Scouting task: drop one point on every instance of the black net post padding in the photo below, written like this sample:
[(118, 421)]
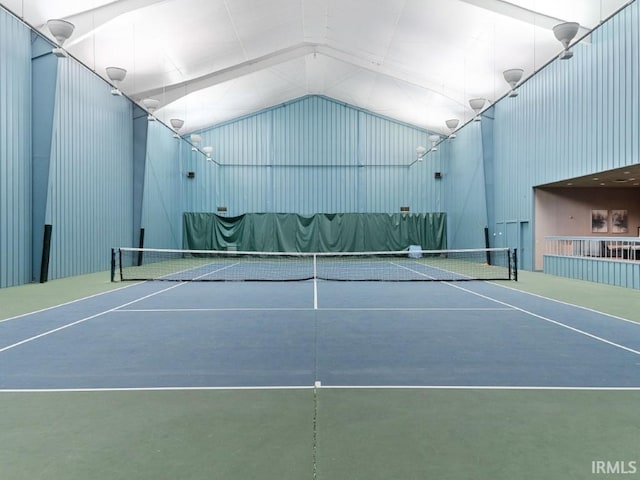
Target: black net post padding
[(46, 252), (120, 260), (140, 246), (486, 244), (113, 265), (515, 264)]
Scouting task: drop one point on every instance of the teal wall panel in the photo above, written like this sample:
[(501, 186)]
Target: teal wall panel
[(15, 151), (140, 130), (44, 74), (573, 118), (162, 201), (89, 199), (465, 201), (314, 155), (315, 132), (619, 273)]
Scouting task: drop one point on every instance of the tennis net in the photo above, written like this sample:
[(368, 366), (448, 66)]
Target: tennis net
[(142, 264)]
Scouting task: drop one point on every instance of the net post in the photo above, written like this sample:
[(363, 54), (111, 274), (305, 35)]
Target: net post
[(515, 264), (113, 265), (46, 253), (120, 260), (486, 244), (140, 246)]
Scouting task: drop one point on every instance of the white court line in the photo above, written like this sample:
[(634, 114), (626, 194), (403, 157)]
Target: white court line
[(315, 293), (414, 271), (541, 317), (417, 309), (567, 303), (473, 387), (238, 309), (546, 319), (318, 386), (70, 302), (151, 389), (82, 320), (307, 309)]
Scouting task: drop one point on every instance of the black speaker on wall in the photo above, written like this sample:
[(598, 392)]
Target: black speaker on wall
[(437, 175)]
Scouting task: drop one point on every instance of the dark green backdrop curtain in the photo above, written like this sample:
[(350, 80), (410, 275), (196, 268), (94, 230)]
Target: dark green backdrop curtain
[(322, 232)]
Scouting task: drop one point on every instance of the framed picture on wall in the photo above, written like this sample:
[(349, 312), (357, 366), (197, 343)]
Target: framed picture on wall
[(619, 221), (599, 221)]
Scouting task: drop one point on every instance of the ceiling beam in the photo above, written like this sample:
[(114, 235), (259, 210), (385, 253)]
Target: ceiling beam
[(87, 22), (170, 93), (532, 17)]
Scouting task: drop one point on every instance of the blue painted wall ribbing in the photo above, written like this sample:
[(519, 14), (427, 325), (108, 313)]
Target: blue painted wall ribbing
[(44, 76), (465, 198), (15, 151), (618, 273), (314, 155), (574, 118), (140, 137), (162, 205), (89, 199)]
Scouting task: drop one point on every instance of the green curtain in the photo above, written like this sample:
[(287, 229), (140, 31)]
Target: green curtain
[(322, 232)]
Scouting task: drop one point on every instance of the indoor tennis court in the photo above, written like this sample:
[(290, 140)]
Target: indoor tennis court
[(319, 239), (360, 379)]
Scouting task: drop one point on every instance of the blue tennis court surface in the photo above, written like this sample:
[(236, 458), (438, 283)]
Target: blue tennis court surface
[(301, 334)]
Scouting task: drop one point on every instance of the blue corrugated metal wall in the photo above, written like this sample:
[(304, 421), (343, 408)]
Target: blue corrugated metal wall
[(310, 155), (162, 203), (314, 155), (15, 152), (89, 199), (574, 118), (620, 274), (465, 193)]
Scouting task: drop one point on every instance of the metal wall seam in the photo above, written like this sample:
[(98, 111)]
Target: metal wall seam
[(569, 120), (162, 202), (15, 152), (90, 185), (318, 155)]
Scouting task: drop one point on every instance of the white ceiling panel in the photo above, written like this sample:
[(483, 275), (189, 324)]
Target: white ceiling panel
[(314, 20), (38, 12), (418, 61)]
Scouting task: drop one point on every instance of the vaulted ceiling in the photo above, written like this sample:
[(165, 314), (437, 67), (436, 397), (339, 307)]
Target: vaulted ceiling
[(417, 61)]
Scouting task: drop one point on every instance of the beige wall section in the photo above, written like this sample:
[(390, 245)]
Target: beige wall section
[(567, 211)]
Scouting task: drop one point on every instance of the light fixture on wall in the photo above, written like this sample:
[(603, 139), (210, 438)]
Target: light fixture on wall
[(176, 124), (452, 124), (564, 33), (476, 105), (434, 139), (116, 75), (512, 77), (208, 150), (420, 153), (195, 141), (61, 30), (151, 104)]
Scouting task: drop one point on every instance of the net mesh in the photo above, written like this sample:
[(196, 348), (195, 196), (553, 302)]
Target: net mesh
[(422, 265)]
